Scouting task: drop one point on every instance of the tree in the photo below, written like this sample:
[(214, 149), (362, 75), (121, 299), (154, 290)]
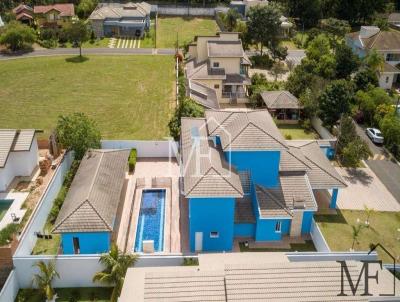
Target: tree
[(231, 19), (277, 70), (335, 101), (279, 53), (381, 111), (369, 212), (309, 11), (382, 23), (375, 61), (17, 36), (78, 132), (335, 27), (86, 7), (186, 108), (264, 26), (320, 57), (390, 127), (44, 279), (356, 230), (369, 100), (365, 79), (77, 33), (116, 264), (346, 61)]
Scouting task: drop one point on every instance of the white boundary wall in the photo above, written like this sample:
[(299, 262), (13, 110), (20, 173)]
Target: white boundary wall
[(319, 241), (167, 148), (10, 289), (331, 256), (39, 216), (322, 131), (185, 11)]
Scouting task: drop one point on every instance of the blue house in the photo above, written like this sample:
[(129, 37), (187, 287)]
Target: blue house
[(87, 217), (242, 179)]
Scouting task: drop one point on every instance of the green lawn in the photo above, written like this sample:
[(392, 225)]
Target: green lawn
[(384, 229), (130, 97), (296, 132), (83, 294), (98, 43), (47, 246), (308, 246), (187, 29)]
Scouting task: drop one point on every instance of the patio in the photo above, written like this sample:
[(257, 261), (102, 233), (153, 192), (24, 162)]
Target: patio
[(16, 209)]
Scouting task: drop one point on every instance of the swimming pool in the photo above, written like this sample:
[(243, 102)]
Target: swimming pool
[(5, 204), (151, 220)]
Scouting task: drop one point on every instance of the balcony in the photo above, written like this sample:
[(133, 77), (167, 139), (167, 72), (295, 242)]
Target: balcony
[(234, 95)]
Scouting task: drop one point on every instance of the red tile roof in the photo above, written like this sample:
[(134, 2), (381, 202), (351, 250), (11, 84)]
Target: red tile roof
[(66, 10)]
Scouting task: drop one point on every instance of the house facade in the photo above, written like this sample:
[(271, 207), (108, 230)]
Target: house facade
[(243, 180), (19, 155), (24, 14), (282, 105), (121, 20), (217, 71), (88, 216), (386, 43), (53, 15)]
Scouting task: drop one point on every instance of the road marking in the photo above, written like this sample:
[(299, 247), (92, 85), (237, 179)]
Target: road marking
[(134, 43), (119, 42), (138, 45)]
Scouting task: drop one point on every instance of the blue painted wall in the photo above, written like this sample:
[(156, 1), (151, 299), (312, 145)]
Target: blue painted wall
[(208, 215), (265, 230), (335, 193), (263, 165), (90, 243), (244, 229), (306, 224)]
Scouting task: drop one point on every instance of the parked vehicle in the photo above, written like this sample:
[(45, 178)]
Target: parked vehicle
[(375, 135)]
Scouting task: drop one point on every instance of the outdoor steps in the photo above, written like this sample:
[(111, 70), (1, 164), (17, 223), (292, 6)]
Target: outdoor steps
[(245, 180)]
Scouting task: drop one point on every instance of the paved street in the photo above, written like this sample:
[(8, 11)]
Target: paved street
[(383, 166)]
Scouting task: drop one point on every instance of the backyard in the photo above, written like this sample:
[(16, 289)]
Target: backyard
[(82, 294), (130, 97), (296, 131), (383, 229), (187, 29)]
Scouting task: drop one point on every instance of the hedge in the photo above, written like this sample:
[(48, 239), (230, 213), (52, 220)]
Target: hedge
[(132, 160)]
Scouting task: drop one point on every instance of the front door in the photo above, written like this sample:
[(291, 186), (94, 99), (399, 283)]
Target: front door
[(198, 245)]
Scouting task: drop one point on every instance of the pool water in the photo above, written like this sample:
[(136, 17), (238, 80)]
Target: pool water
[(5, 204), (151, 220)]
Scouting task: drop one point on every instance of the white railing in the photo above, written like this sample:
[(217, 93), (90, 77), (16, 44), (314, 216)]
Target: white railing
[(234, 95)]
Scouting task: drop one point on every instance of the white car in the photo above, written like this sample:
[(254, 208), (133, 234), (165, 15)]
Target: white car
[(375, 135)]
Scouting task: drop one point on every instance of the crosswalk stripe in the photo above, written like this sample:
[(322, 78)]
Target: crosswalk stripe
[(134, 43), (138, 44), (119, 42), (131, 43)]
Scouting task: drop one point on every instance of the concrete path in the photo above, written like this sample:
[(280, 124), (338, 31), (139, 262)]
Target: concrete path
[(91, 51), (365, 188)]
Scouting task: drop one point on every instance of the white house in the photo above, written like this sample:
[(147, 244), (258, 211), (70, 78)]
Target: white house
[(19, 154), (386, 43)]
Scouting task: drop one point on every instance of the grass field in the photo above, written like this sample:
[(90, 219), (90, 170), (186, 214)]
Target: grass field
[(186, 28), (296, 132), (384, 229), (130, 97)]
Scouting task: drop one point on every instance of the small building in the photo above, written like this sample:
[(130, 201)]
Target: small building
[(386, 43), (282, 105), (24, 14), (217, 70), (121, 20), (88, 216), (53, 15), (394, 20), (19, 155)]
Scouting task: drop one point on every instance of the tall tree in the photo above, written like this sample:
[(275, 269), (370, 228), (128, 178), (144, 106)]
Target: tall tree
[(365, 79), (390, 127), (309, 11), (346, 61), (231, 19), (44, 278), (77, 33), (335, 101), (116, 265)]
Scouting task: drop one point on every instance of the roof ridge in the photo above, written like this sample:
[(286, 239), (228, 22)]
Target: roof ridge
[(265, 190), (224, 178), (95, 175), (376, 38), (268, 134), (298, 158), (98, 214)]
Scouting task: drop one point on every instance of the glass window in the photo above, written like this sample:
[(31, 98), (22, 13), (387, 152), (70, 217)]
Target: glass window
[(393, 57), (278, 227), (216, 86), (216, 64), (214, 234)]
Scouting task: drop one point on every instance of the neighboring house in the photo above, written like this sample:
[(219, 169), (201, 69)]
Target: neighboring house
[(23, 13), (53, 15), (242, 179), (244, 6), (118, 19), (394, 20), (87, 217), (386, 43), (282, 105), (217, 70), (19, 155)]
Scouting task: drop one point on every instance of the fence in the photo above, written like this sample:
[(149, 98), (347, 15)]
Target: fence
[(322, 131), (318, 239), (331, 256), (167, 148), (172, 10)]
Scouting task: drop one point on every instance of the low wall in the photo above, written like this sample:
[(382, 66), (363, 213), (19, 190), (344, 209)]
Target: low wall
[(331, 256), (10, 289), (166, 148), (319, 241), (172, 10), (322, 131), (39, 216)]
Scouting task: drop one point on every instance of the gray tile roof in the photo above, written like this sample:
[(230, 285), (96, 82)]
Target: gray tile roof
[(383, 40), (320, 172), (245, 130), (244, 210), (236, 79), (390, 68), (12, 140), (202, 71), (394, 17), (120, 10), (203, 95), (225, 49), (92, 200), (206, 173), (280, 100)]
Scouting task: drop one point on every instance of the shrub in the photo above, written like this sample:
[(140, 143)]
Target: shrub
[(132, 160), (263, 61), (288, 136), (7, 233), (190, 261)]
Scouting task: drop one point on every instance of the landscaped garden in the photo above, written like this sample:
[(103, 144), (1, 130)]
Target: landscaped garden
[(296, 131), (130, 97), (187, 29), (307, 246), (340, 231), (82, 294)]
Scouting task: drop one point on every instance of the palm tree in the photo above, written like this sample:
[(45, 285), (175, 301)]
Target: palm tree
[(375, 61), (116, 264), (44, 278), (356, 232), (369, 212)]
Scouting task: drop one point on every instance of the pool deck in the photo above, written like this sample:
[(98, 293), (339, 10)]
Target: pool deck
[(150, 173), (15, 208)]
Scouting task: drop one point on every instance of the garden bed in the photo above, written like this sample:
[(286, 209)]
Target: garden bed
[(81, 294), (296, 131)]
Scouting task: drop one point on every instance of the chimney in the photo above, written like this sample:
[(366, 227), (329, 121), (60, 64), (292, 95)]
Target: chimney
[(368, 31)]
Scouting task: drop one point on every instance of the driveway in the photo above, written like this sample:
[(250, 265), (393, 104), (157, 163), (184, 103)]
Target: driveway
[(364, 188), (383, 165)]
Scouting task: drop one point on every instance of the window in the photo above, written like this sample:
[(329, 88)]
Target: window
[(214, 234), (278, 227), (75, 240), (387, 80), (216, 86), (393, 57), (216, 64)]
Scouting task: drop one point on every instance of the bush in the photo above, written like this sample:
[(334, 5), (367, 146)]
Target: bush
[(263, 61), (7, 233), (132, 160), (306, 124), (190, 261), (288, 136), (17, 36)]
